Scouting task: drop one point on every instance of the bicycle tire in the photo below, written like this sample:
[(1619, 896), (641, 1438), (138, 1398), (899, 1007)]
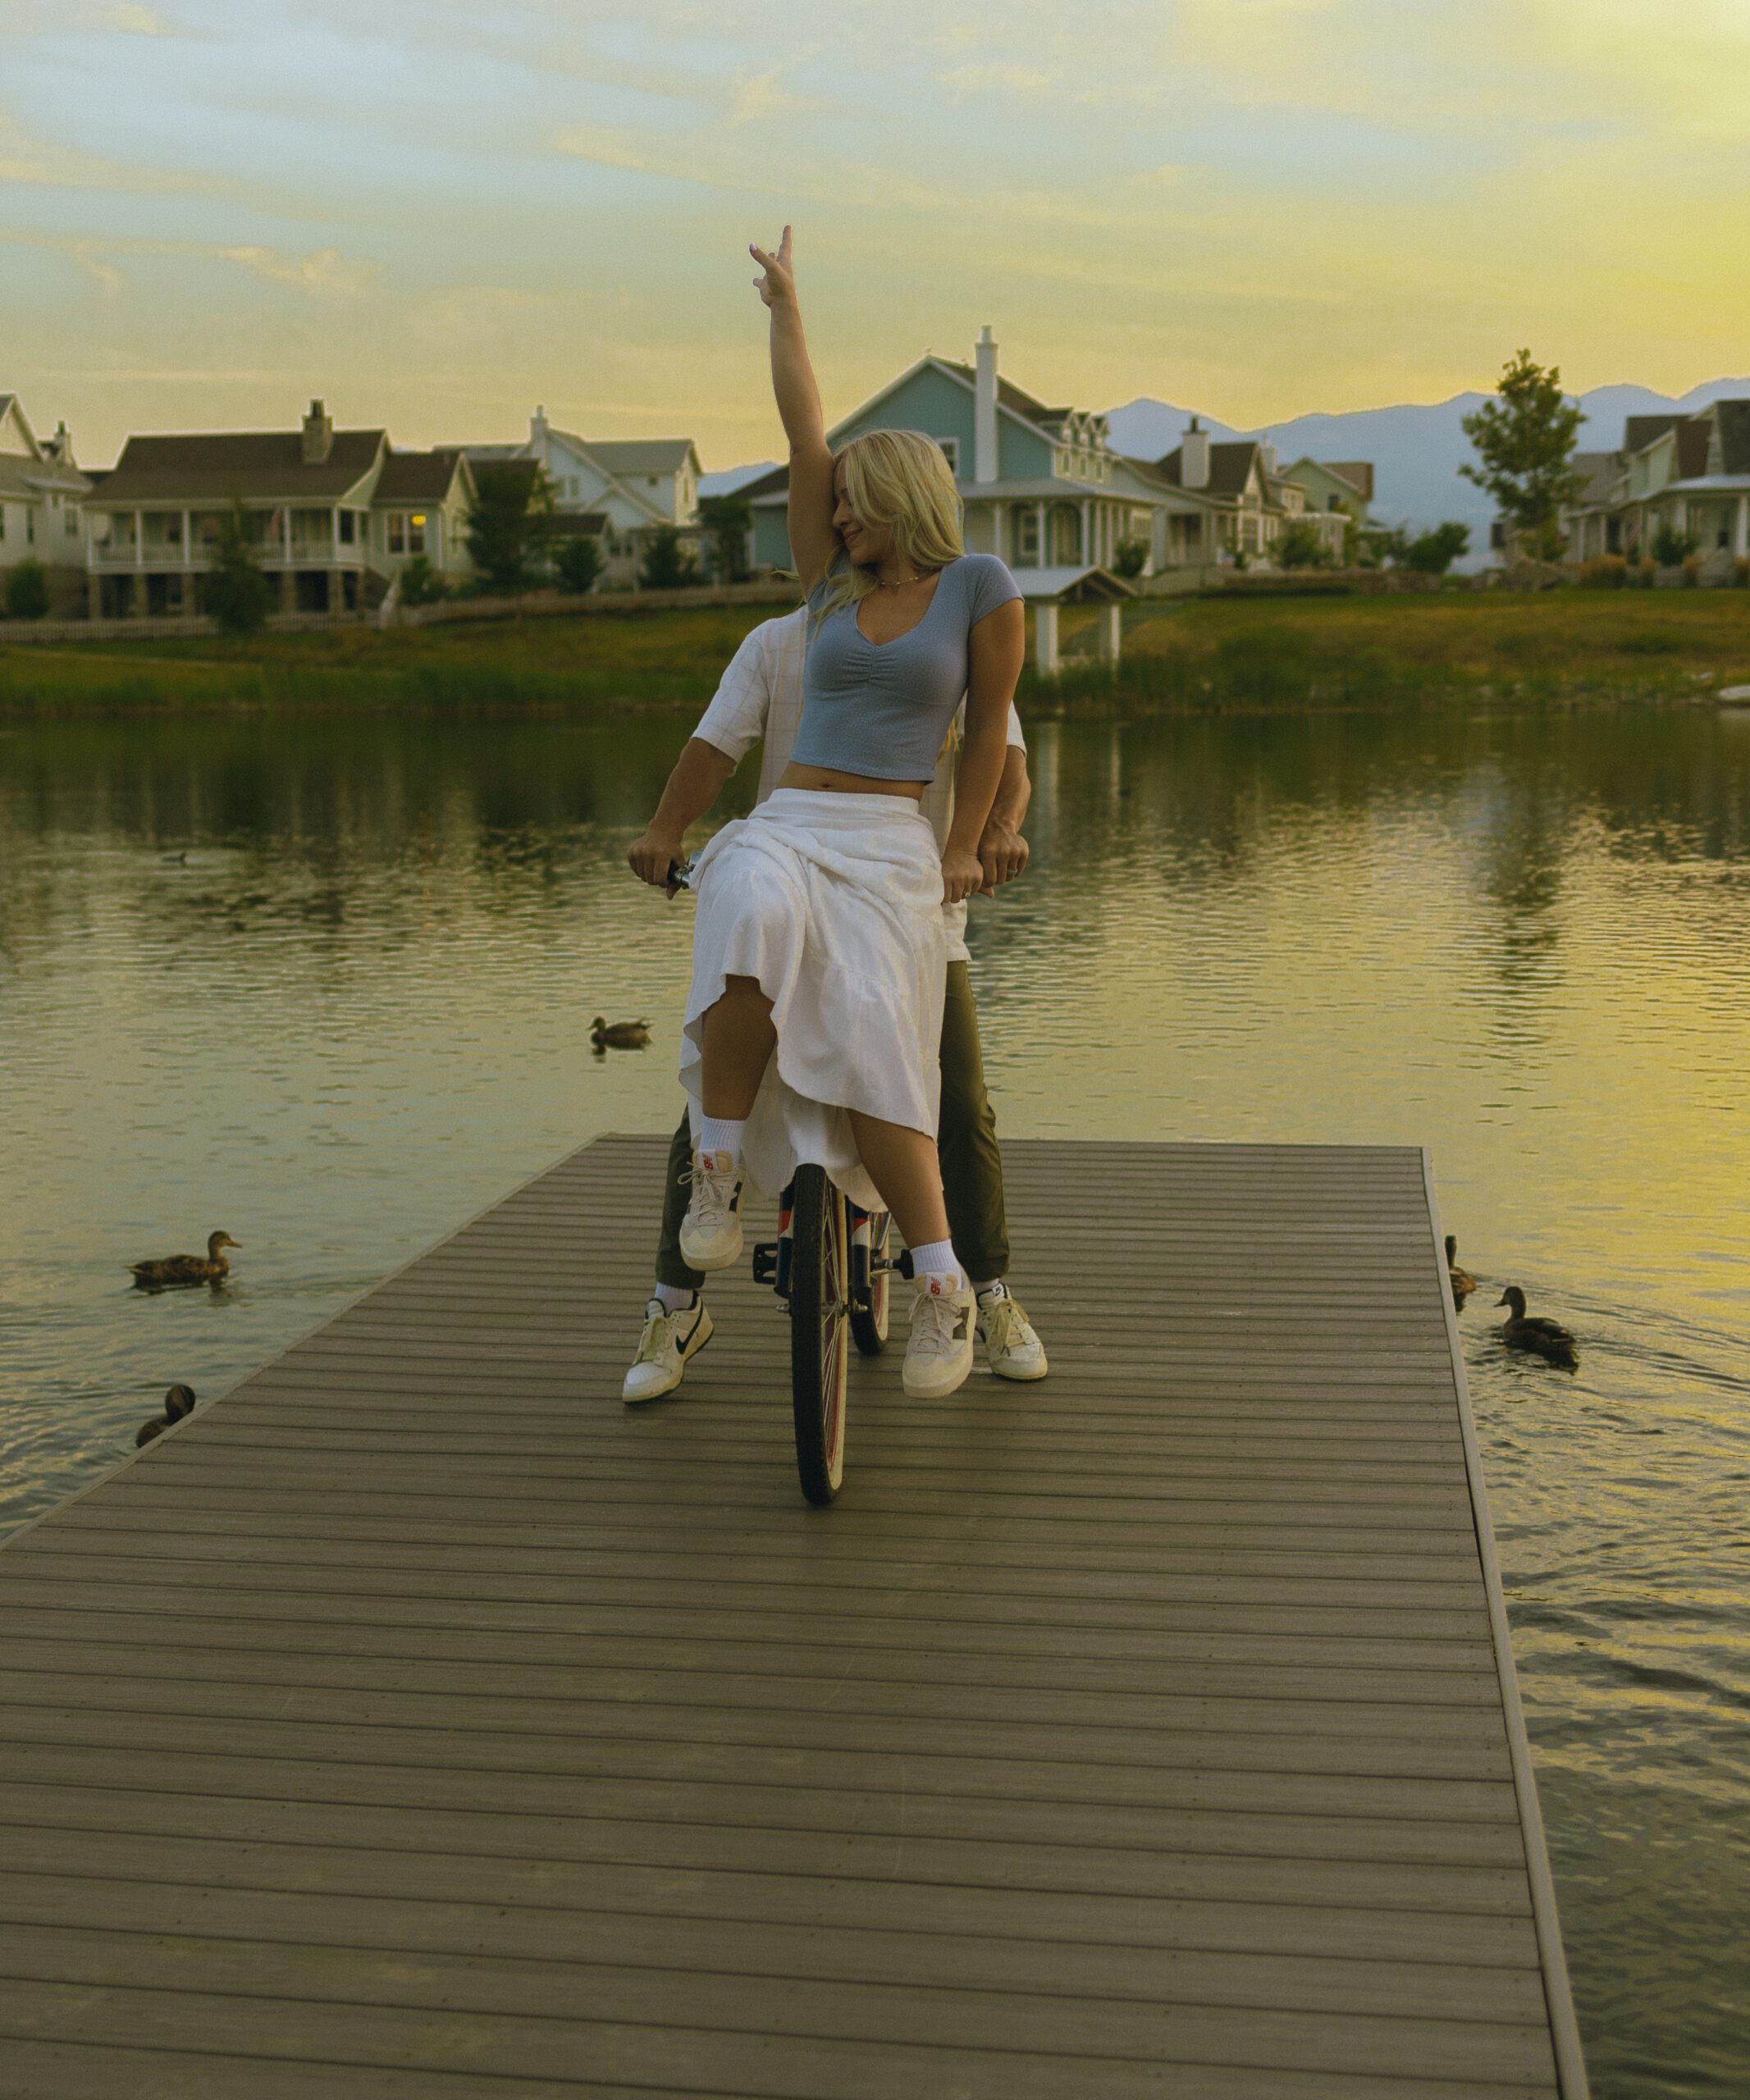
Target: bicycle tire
[(869, 1321), (819, 1314)]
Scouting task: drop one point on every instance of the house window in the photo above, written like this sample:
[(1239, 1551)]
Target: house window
[(30, 524), (951, 453), (1026, 535), (349, 528), (407, 531), (2, 521), (70, 523)]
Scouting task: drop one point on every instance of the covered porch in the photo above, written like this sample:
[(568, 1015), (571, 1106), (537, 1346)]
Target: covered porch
[(1044, 591)]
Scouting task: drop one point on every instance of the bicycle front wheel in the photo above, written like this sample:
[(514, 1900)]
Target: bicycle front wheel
[(820, 1317)]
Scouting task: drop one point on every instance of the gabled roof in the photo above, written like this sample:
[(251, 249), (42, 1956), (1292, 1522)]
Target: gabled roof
[(1639, 432), (214, 466), (1015, 398), (1596, 472), (1359, 473), (508, 470), (636, 455), (1692, 433), (418, 477), (1231, 464), (1732, 420)]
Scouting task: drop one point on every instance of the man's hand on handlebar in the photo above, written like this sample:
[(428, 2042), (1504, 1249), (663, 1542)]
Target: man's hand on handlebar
[(654, 858)]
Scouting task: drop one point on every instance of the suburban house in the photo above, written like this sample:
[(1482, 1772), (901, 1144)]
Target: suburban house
[(41, 490), (1229, 504), (1334, 488), (1041, 486), (331, 514), (1685, 476), (615, 490)]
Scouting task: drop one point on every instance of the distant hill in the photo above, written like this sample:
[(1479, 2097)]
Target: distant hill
[(1416, 450)]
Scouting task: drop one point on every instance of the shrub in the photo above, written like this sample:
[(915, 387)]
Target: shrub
[(508, 523), (1433, 553), (1300, 547), (1671, 547), (727, 520), (27, 591), (1648, 569), (1741, 573), (1604, 573), (667, 564), (1129, 557), (1691, 572), (235, 592), (577, 562), (421, 584)]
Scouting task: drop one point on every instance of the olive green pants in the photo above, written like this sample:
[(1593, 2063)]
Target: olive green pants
[(971, 1159)]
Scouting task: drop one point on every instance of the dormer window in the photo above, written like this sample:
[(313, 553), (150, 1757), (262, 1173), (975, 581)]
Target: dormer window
[(951, 453)]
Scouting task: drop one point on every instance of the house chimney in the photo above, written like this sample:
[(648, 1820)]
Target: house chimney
[(60, 446), (1194, 456), (1267, 452), (318, 436), (537, 426), (984, 463)]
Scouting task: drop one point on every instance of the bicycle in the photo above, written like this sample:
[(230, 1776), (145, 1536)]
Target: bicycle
[(832, 1266)]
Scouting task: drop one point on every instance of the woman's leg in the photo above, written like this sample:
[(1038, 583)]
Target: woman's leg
[(903, 1165), (736, 1045)]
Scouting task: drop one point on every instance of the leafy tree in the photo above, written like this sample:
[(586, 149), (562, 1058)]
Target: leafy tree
[(509, 524), (667, 564), (1129, 557), (1433, 553), (421, 584), (1379, 546), (27, 590), (577, 562), (237, 593), (726, 519), (1525, 439), (1300, 547)]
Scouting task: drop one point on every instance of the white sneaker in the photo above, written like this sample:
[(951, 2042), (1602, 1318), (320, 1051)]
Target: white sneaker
[(669, 1341), (1011, 1349), (939, 1353), (710, 1233)]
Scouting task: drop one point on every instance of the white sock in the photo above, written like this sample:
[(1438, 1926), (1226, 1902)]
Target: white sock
[(992, 1290), (722, 1134), (938, 1259), (673, 1299)]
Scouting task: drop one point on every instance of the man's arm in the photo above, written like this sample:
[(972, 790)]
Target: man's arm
[(696, 783), (1002, 851)]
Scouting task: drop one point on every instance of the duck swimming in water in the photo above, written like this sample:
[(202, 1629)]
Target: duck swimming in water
[(178, 1401), (619, 1034), (211, 1267), (1463, 1282), (1546, 1338)]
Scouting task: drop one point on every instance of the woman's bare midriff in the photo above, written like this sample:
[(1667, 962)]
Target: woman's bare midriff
[(827, 777)]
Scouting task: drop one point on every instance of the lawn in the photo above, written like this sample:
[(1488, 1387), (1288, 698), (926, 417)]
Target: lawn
[(1180, 655)]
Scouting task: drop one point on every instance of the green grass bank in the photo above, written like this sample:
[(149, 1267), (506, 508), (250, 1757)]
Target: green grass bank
[(1243, 654)]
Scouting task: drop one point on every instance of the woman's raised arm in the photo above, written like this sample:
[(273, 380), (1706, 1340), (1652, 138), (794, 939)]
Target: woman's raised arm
[(813, 542)]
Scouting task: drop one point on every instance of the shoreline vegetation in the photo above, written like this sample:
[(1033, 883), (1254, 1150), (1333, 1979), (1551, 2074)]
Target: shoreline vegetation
[(1180, 656)]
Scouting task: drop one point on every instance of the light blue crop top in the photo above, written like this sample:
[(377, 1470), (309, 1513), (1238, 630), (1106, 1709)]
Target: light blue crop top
[(883, 709)]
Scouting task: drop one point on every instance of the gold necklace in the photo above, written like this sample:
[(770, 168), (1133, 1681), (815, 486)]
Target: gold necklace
[(882, 584)]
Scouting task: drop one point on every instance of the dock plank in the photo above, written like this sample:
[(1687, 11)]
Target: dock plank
[(419, 1722)]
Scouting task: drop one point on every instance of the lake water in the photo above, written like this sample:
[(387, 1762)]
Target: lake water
[(326, 985)]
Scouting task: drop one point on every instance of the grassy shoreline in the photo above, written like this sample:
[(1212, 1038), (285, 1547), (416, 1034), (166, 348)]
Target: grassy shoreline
[(1180, 656)]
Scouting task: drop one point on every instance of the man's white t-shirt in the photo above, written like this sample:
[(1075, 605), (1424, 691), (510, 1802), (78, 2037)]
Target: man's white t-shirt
[(760, 695)]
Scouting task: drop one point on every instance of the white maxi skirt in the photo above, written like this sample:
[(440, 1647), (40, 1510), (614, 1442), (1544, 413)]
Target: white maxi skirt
[(834, 904)]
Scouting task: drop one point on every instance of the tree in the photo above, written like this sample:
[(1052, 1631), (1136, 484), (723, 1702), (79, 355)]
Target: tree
[(1525, 439), (1129, 557), (1300, 547), (27, 590), (239, 596), (1433, 553), (727, 520), (421, 584), (576, 562), (509, 524), (1379, 546), (667, 564)]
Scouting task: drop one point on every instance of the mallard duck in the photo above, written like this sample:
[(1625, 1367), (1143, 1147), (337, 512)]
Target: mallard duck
[(187, 1268), (1546, 1338), (1463, 1282), (619, 1034), (178, 1401)]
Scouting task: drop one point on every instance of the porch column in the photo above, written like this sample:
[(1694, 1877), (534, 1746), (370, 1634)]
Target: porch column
[(999, 529), (1111, 632), (139, 539), (1090, 553), (1044, 556), (1045, 659), (188, 543), (1741, 537)]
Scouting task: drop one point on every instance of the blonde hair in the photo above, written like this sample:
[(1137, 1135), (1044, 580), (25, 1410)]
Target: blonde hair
[(901, 479)]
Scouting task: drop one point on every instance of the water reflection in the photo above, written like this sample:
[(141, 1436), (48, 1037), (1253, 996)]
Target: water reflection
[(326, 984)]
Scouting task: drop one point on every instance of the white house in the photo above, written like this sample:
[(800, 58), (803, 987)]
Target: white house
[(631, 485), (41, 490), (1688, 476)]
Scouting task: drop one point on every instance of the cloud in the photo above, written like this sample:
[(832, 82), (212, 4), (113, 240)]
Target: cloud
[(325, 270), (136, 22)]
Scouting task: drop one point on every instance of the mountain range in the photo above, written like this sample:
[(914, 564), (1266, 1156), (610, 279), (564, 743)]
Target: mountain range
[(1417, 449)]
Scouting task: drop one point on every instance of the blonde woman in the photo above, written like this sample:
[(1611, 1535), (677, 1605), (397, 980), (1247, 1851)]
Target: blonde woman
[(814, 1015)]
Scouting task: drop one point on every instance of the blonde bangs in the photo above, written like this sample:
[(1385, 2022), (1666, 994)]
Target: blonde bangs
[(900, 479)]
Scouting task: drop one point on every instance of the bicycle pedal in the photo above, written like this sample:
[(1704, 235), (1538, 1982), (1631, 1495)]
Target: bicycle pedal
[(765, 1261)]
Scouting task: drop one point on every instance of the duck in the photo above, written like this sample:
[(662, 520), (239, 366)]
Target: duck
[(178, 1401), (619, 1034), (210, 1267), (1463, 1282), (1546, 1338)]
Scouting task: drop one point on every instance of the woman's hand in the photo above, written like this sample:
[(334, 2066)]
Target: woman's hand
[(778, 286), (961, 873)]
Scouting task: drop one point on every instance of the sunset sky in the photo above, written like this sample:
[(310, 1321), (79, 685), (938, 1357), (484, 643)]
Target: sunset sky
[(436, 215)]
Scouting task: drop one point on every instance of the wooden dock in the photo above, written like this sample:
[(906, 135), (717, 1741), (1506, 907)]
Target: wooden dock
[(418, 1723)]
